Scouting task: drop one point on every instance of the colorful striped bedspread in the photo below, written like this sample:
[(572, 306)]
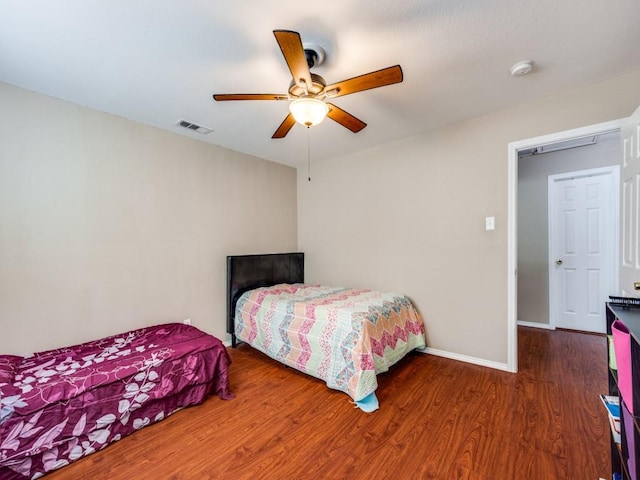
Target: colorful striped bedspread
[(342, 336)]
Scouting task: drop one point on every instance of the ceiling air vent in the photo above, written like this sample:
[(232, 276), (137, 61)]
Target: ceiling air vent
[(194, 127)]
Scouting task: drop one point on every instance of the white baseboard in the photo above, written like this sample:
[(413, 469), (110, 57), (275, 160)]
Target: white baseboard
[(546, 326), (465, 358)]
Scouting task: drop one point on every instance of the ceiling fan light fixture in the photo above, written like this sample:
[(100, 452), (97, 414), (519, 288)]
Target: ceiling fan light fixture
[(310, 97), (308, 111)]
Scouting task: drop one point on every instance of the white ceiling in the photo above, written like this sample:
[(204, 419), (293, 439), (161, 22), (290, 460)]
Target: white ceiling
[(158, 61)]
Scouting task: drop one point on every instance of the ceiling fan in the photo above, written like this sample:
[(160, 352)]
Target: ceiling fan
[(309, 91)]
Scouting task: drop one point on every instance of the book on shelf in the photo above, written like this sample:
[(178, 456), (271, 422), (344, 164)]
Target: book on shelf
[(612, 353), (612, 404)]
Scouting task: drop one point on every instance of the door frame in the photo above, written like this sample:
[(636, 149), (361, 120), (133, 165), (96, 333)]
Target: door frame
[(614, 172), (512, 219)]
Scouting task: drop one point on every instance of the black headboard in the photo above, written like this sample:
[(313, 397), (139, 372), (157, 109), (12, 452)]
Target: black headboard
[(246, 272)]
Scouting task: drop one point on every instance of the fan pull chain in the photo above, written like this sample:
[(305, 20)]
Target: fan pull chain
[(308, 153)]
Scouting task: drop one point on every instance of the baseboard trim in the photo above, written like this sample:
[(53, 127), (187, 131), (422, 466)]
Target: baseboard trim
[(544, 326), (465, 358)]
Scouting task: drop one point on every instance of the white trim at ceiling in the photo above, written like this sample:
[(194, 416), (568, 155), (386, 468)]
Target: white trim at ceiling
[(512, 219)]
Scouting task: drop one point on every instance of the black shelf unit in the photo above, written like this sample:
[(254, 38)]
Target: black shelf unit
[(629, 448)]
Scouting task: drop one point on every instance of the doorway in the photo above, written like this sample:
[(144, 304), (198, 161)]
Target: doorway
[(514, 149)]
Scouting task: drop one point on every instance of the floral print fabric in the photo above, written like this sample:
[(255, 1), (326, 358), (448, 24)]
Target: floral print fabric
[(66, 403)]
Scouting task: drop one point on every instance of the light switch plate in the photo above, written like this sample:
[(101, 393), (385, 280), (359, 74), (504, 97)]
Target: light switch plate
[(490, 223)]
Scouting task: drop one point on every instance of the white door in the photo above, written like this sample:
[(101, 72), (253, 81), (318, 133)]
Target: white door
[(630, 189), (582, 243)]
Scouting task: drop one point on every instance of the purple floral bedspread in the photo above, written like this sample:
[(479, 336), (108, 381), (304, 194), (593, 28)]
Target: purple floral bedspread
[(60, 405)]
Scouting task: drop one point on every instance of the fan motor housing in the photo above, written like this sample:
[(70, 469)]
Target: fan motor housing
[(316, 88)]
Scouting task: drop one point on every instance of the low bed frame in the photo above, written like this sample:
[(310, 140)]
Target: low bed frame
[(246, 272)]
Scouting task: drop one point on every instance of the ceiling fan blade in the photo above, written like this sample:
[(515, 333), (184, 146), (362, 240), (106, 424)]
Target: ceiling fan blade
[(345, 119), (249, 96), (293, 51), (284, 127), (379, 78)]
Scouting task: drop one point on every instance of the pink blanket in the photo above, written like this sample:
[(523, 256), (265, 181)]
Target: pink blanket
[(60, 405)]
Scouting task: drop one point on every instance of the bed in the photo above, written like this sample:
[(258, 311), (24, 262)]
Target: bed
[(343, 336), (61, 405)]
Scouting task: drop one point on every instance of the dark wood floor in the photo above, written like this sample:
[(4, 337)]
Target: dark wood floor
[(439, 419)]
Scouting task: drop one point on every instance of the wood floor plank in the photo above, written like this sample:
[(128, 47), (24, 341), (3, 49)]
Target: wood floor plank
[(439, 419)]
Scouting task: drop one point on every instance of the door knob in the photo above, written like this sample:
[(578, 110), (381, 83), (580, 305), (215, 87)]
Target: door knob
[(559, 262), (636, 285)]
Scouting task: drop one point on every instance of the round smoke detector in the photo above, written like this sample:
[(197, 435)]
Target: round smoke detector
[(521, 68)]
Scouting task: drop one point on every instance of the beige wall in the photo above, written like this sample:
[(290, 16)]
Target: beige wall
[(533, 223), (409, 216), (108, 225)]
